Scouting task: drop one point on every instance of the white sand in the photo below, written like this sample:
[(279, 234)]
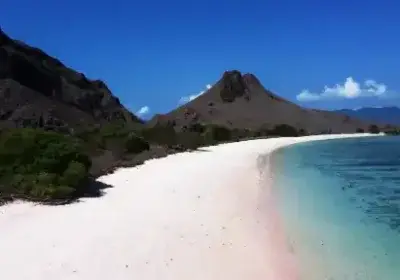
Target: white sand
[(200, 215)]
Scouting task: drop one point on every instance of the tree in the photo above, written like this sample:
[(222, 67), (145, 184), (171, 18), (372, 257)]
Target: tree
[(189, 140), (162, 134), (373, 129), (284, 130), (302, 132), (214, 134), (136, 144)]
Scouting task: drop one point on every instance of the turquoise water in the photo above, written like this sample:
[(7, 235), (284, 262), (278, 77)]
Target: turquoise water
[(340, 205)]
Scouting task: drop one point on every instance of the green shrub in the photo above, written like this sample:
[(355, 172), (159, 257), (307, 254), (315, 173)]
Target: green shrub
[(360, 130), (35, 163), (160, 134), (135, 144), (197, 127), (239, 134), (190, 140), (74, 174), (284, 130), (46, 178), (393, 132), (114, 130), (214, 134), (61, 192), (262, 132), (373, 129), (302, 132), (116, 136), (92, 137)]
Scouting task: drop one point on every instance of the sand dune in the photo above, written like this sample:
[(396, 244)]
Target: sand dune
[(202, 215)]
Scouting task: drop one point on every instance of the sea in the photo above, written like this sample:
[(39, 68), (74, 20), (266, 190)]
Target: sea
[(339, 202)]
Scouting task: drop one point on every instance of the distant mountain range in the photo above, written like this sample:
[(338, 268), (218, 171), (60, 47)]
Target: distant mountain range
[(382, 115)]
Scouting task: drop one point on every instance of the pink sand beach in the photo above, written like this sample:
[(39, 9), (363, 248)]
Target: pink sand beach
[(201, 215)]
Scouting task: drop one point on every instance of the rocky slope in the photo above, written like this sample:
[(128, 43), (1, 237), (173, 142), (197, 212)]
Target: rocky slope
[(241, 101), (37, 90)]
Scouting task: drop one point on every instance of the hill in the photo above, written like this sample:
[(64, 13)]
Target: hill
[(37, 90), (241, 102), (382, 115)]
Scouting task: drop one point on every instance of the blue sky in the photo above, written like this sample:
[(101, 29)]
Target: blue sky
[(153, 53)]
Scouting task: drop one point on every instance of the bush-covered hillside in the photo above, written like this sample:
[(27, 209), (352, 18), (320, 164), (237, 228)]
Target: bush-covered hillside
[(44, 165)]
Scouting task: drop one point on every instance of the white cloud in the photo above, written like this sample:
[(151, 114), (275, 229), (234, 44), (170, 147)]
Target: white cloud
[(189, 98), (306, 95), (143, 111), (376, 88), (350, 89)]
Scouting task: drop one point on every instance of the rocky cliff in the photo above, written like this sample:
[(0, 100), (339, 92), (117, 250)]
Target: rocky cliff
[(37, 90)]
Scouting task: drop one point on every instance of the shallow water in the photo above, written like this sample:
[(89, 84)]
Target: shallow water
[(340, 206)]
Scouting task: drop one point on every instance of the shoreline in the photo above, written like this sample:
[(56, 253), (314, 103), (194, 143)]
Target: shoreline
[(197, 215)]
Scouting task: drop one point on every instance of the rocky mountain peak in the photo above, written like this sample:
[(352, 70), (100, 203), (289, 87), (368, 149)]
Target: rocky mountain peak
[(232, 86), (251, 79)]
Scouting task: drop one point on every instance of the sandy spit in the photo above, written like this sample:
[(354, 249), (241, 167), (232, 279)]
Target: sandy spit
[(201, 215)]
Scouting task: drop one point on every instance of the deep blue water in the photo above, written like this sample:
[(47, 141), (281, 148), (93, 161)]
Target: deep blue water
[(340, 204)]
